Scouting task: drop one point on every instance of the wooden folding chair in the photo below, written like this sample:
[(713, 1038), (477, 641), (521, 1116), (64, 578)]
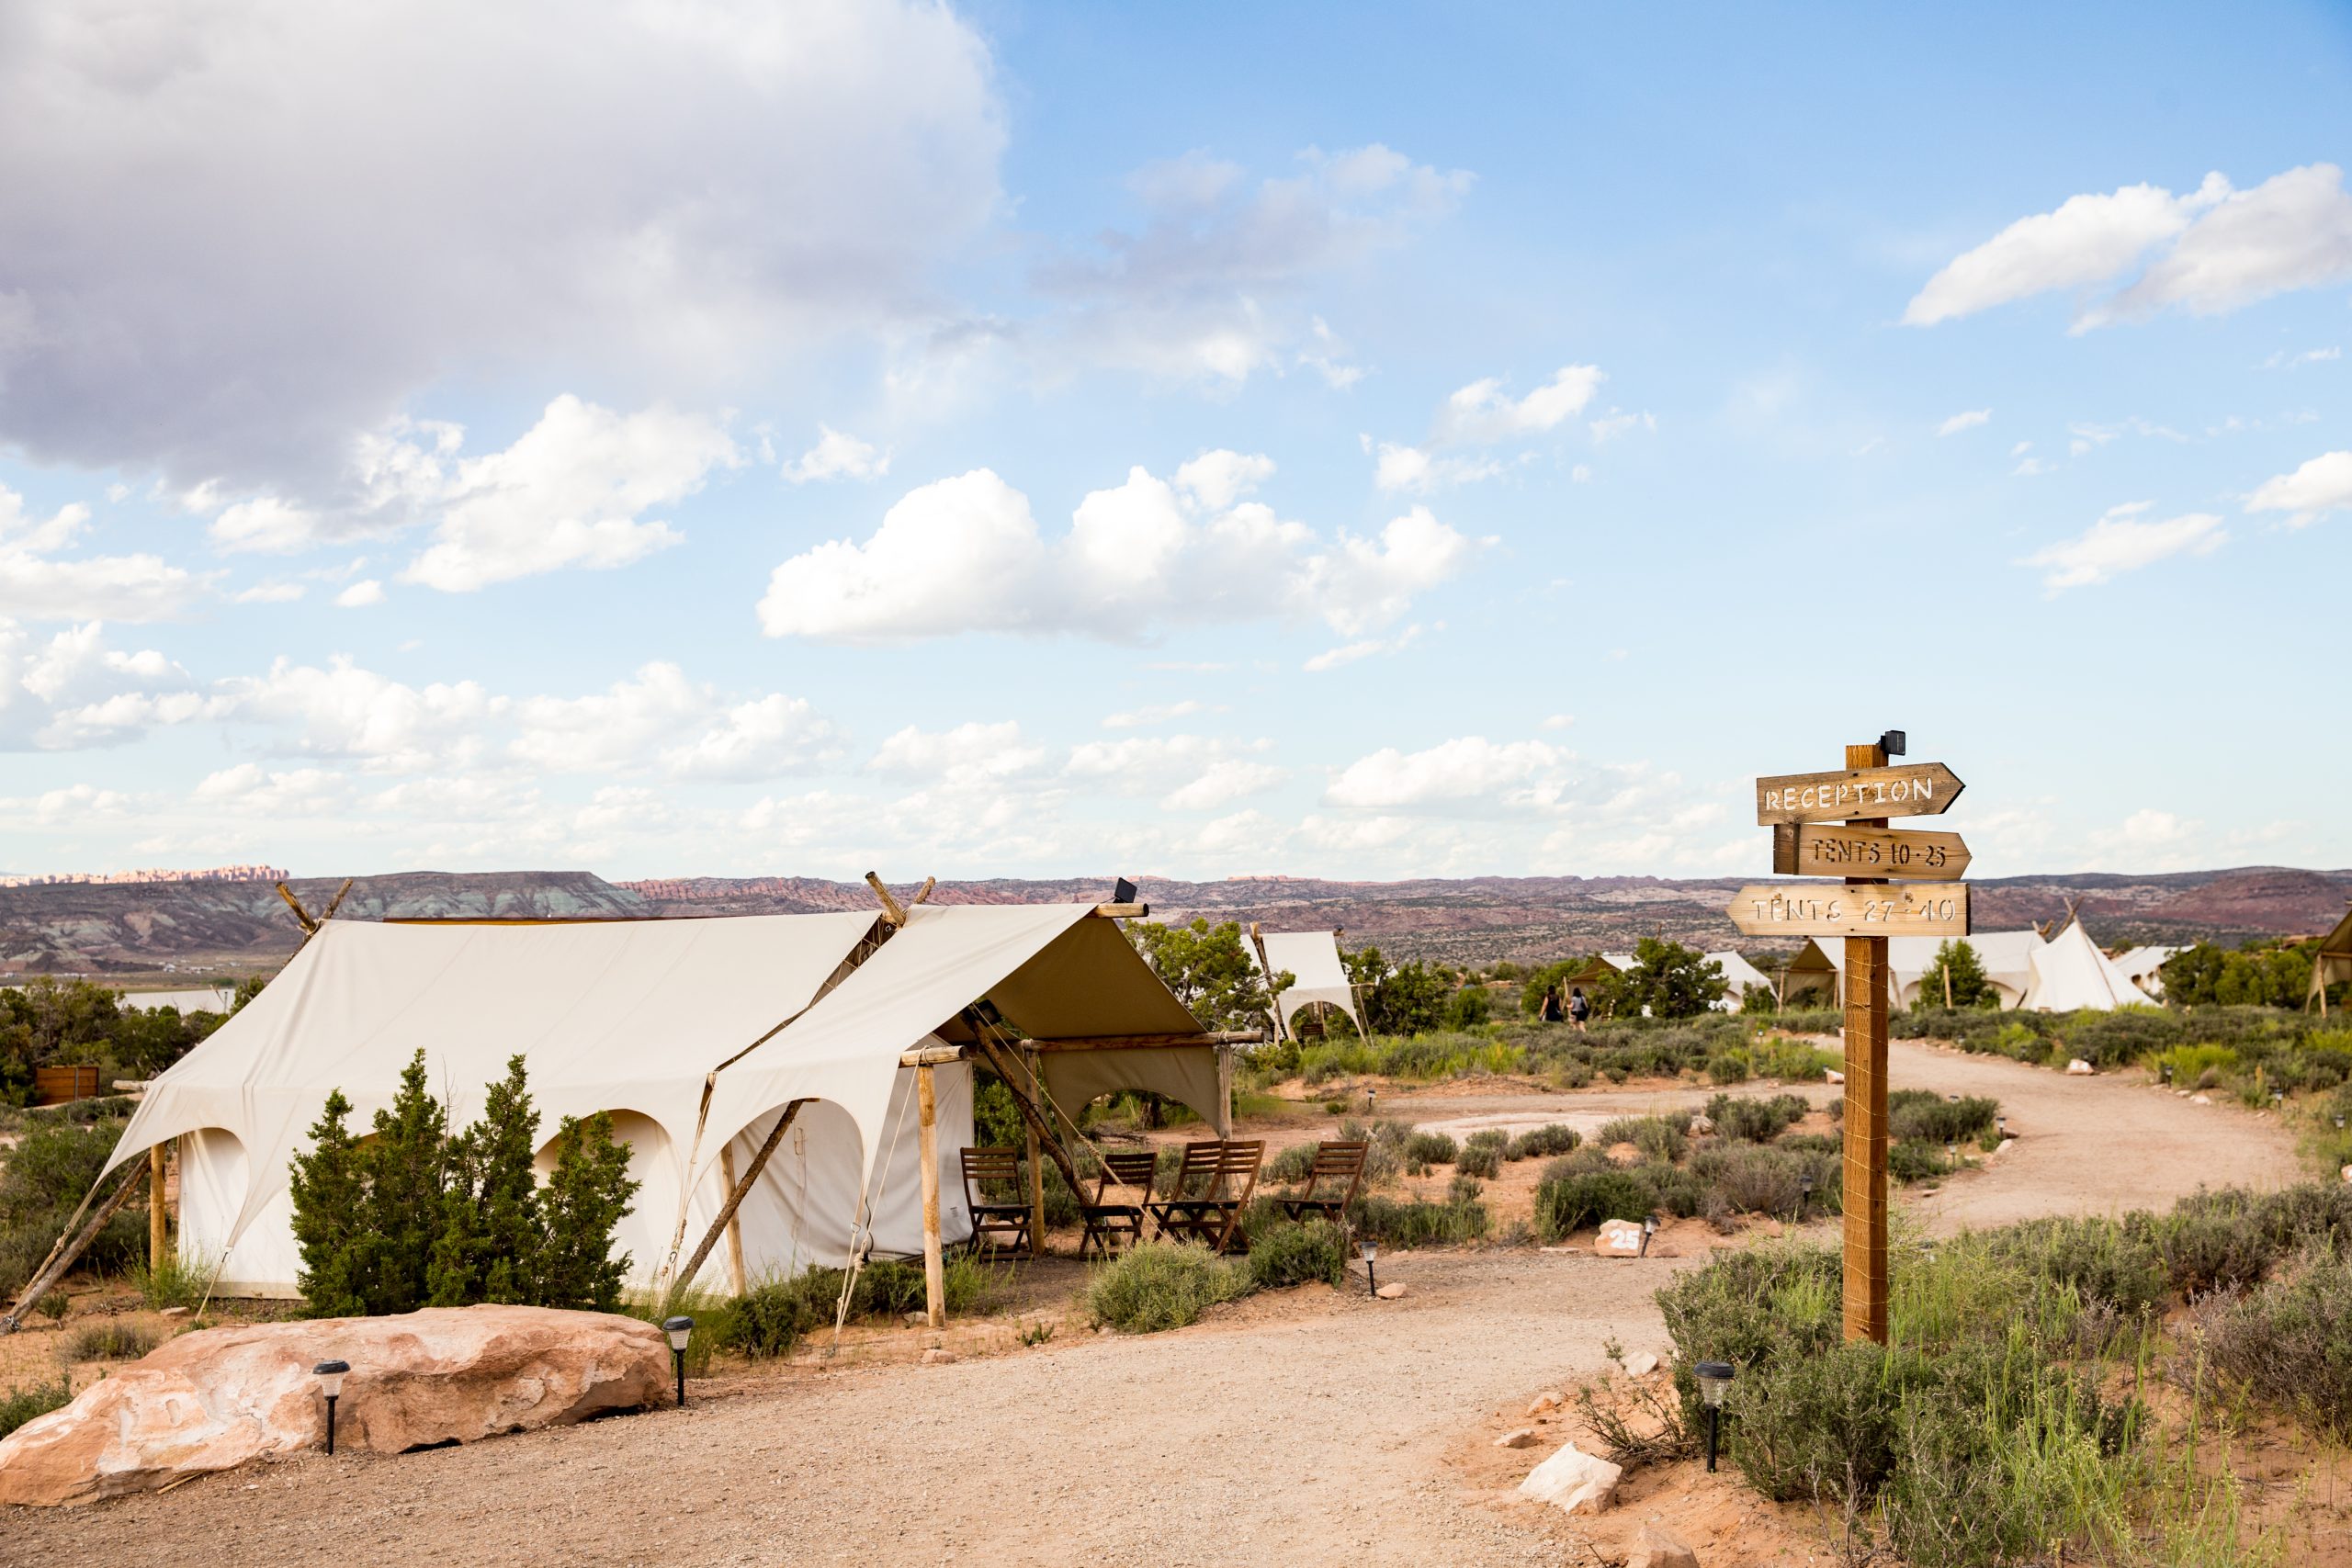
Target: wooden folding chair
[(991, 1219), (1107, 1220), (1174, 1213), (1332, 1183), (1236, 1178)]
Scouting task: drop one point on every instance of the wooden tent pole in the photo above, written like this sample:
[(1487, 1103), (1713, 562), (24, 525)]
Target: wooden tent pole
[(735, 1196), (67, 1253), (1036, 1171), (1865, 1156), (934, 1272), (157, 1220), (734, 1222)]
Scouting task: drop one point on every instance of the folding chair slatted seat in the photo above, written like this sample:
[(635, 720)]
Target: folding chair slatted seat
[(1332, 1183), (1106, 1221), (1214, 1218), (994, 1222), (1173, 1213)]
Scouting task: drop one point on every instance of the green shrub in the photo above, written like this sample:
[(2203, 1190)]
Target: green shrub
[(2104, 1262), (109, 1340), (1480, 1159), (1159, 1285), (2290, 1343), (1755, 1121), (1910, 1160), (19, 1405), (176, 1282), (1755, 1179), (1792, 1060), (1728, 1067), (1659, 1137), (1294, 1253), (1430, 1148), (1454, 1222), (1537, 1143), (1746, 1307), (770, 1318), (1292, 1166), (1564, 1204), (2189, 1064), (42, 1181), (1921, 1114), (1821, 1428)]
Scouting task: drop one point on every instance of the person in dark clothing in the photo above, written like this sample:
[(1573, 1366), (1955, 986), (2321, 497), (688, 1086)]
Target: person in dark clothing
[(1551, 1009)]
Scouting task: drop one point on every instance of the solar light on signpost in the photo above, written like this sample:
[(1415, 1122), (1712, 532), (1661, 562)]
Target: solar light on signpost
[(1951, 1155), (330, 1376), (1714, 1381), (1804, 1195), (1369, 1249), (1649, 1229), (680, 1329)]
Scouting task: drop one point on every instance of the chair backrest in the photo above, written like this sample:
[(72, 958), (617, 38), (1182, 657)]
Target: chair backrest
[(1338, 1164), (1200, 1162), (1135, 1171), (1236, 1167), (983, 1166)]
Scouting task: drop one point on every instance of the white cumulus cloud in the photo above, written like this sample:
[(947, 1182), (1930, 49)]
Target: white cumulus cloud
[(838, 455), (2323, 484), (2122, 541), (1461, 769), (1968, 420)]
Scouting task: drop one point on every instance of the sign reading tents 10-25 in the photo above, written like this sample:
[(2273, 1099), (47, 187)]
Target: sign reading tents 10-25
[(1796, 806)]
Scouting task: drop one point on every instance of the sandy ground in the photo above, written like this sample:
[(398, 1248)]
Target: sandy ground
[(1315, 1428)]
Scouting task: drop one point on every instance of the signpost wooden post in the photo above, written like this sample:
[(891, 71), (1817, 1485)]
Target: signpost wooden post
[(1868, 908)]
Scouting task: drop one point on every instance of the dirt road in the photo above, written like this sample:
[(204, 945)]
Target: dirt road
[(1311, 1428)]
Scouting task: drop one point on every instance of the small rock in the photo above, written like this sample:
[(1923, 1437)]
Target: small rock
[(1832, 1076), (1573, 1480), (1395, 1290), (2006, 1144), (2201, 1100), (1653, 1548), (935, 1356), (2078, 1068), (1618, 1239), (173, 1311), (914, 1319), (1640, 1364), (1524, 1437), (1543, 1402), (2347, 1173), (1702, 1122)]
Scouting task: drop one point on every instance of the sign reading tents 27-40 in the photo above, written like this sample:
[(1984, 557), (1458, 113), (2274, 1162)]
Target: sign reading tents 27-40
[(1917, 908)]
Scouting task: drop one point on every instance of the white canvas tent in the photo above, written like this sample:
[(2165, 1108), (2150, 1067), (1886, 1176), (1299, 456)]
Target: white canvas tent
[(2144, 966), (2331, 963), (2071, 972), (1318, 973), (1742, 976), (2006, 958), (697, 1035), (192, 998)]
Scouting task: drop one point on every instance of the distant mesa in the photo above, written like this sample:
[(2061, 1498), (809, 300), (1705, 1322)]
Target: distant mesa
[(113, 878)]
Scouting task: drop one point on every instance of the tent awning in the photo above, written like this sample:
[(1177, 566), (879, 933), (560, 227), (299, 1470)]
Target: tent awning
[(1318, 973)]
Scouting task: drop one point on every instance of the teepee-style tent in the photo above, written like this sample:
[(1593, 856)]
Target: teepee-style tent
[(2070, 973)]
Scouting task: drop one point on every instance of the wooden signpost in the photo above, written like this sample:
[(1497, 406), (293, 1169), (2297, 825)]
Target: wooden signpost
[(1865, 912)]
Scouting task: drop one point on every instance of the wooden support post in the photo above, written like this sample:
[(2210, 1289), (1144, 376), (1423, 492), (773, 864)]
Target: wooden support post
[(158, 1217), (1865, 1154), (1946, 987), (68, 1252), (738, 1193), (734, 1222), (934, 1269), (1036, 1170)]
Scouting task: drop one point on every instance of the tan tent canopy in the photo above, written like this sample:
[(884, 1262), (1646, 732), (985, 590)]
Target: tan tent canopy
[(1318, 973), (2332, 962)]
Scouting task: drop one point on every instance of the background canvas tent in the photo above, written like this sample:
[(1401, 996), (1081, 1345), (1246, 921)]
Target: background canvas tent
[(1318, 974), (2144, 966), (2006, 958), (698, 1036), (2070, 972), (1740, 975), (2331, 963)]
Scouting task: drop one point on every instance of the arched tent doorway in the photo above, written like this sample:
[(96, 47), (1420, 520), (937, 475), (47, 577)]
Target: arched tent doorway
[(216, 1176), (802, 1209), (644, 1231)]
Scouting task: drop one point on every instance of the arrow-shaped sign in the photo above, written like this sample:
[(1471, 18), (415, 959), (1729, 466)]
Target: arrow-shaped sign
[(1801, 850), (1919, 908), (1912, 789)]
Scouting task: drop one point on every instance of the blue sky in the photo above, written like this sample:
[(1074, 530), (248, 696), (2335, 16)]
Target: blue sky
[(1207, 440)]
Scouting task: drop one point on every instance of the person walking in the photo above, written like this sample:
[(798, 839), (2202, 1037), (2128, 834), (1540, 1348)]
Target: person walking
[(1550, 1013), (1578, 1007)]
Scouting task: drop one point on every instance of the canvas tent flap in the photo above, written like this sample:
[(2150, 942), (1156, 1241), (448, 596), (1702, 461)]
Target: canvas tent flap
[(1052, 969), (1317, 971), (2071, 972), (610, 1016)]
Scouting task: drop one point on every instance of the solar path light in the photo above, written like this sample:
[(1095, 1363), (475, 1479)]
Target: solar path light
[(680, 1329), (1805, 1194), (1714, 1381), (1370, 1250), (330, 1376), (1649, 1229)]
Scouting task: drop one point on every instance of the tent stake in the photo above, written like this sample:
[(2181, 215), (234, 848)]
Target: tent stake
[(934, 1273)]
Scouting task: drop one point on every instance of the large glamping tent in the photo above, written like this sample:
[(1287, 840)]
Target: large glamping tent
[(2070, 973), (698, 1035), (1318, 974), (2006, 958)]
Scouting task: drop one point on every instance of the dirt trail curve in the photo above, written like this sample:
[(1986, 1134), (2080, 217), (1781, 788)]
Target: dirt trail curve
[(1308, 1429)]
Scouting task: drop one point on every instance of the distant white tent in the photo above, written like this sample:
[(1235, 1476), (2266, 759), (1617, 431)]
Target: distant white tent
[(2144, 966), (2006, 958), (1318, 974), (696, 1035), (188, 999), (2071, 972), (1742, 976)]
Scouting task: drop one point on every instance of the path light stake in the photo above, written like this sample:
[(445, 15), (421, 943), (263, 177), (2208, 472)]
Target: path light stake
[(330, 1376), (2001, 1125), (1371, 1249), (1804, 1195), (1714, 1381), (680, 1329), (1649, 1229)]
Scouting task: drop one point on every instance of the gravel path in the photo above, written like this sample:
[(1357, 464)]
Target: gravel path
[(1311, 1428)]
